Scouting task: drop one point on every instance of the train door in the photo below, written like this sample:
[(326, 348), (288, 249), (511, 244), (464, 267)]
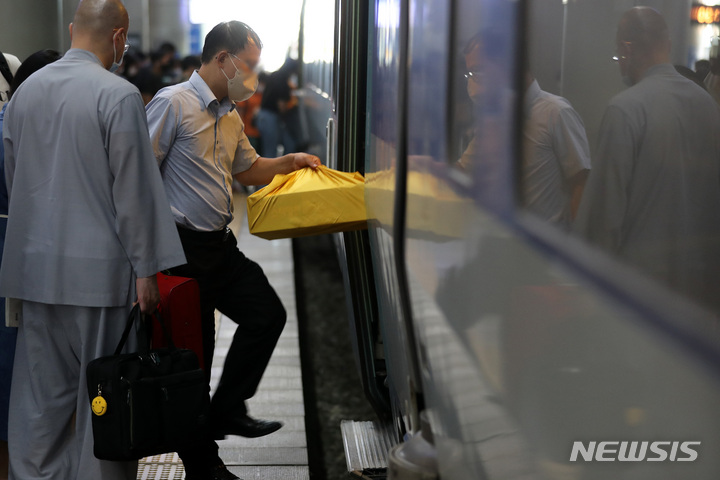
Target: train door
[(351, 96), (335, 97), (388, 98)]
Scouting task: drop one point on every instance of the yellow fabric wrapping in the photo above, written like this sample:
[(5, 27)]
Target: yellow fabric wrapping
[(308, 202), (434, 211)]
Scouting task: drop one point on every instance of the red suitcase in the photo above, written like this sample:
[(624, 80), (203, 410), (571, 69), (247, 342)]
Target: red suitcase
[(180, 310)]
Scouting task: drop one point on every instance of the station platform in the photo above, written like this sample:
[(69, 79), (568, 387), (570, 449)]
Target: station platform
[(281, 455)]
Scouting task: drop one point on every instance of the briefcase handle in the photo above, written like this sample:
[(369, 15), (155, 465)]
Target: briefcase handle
[(143, 332)]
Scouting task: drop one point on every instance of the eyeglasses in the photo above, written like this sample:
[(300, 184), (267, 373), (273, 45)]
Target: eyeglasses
[(475, 76), (247, 65), (617, 58)]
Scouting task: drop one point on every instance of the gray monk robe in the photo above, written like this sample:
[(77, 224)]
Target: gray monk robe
[(88, 214), (653, 197)]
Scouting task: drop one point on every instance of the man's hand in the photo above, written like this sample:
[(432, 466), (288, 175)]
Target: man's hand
[(148, 294), (264, 169), (302, 160)]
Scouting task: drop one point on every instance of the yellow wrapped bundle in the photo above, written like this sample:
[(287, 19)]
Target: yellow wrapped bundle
[(308, 202), (434, 210)]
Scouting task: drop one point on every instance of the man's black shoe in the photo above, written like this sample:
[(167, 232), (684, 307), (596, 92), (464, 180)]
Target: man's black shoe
[(244, 426), (216, 473)]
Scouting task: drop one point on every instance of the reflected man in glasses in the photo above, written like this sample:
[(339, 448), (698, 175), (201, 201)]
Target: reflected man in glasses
[(556, 155), (653, 197)]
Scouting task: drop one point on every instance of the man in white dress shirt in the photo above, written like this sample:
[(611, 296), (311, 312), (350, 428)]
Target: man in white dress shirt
[(201, 147), (556, 155)]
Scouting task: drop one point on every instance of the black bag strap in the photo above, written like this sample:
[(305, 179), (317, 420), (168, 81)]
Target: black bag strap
[(143, 332), (5, 69)]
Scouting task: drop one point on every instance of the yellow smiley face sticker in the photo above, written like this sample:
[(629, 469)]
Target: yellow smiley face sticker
[(99, 406)]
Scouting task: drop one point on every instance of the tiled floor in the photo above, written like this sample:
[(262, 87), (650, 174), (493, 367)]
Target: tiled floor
[(283, 454)]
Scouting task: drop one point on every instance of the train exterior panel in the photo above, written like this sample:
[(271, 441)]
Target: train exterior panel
[(534, 354)]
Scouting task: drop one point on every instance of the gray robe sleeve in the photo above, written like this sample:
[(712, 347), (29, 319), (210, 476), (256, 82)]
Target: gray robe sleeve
[(603, 208), (144, 223)]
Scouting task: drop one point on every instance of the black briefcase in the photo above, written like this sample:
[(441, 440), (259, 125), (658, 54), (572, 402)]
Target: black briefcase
[(146, 403)]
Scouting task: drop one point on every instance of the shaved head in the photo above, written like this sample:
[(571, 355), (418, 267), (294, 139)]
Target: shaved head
[(646, 29), (96, 18), (642, 41)]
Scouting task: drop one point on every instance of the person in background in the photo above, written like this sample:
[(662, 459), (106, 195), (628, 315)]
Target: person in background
[(8, 66), (702, 68), (248, 110), (132, 63), (691, 74), (157, 74), (81, 249), (279, 105), (712, 79), (653, 197), (169, 64), (8, 335), (188, 65), (200, 145)]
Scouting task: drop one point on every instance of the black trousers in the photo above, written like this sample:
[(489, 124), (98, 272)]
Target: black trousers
[(237, 287)]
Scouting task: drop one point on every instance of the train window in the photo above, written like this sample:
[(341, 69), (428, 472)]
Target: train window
[(555, 151), (620, 135), (318, 48), (482, 103)]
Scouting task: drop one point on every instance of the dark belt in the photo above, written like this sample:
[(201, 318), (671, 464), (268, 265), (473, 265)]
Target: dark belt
[(214, 235)]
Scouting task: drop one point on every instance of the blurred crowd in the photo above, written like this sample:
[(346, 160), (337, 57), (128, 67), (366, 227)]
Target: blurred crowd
[(150, 72), (270, 116)]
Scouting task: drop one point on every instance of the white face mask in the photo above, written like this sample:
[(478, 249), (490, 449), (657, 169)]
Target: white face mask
[(242, 85), (115, 65)]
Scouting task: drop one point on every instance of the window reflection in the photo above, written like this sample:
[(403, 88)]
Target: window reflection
[(483, 108), (625, 154), (556, 155), (653, 198)]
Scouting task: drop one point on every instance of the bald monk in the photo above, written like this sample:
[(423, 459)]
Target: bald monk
[(89, 228), (653, 197)]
